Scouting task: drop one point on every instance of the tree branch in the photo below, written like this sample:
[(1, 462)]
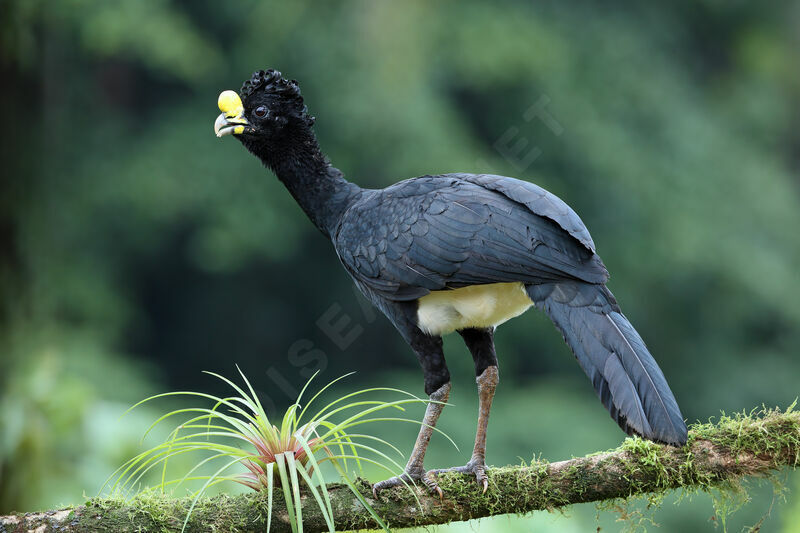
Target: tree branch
[(717, 455)]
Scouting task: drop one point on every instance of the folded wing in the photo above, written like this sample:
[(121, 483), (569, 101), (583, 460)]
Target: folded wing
[(437, 232)]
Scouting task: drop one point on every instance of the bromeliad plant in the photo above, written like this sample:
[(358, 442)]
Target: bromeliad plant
[(280, 456)]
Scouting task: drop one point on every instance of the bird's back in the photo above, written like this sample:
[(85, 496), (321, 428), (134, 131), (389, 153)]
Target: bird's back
[(456, 230)]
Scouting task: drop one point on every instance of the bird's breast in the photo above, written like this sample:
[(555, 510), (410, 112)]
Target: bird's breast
[(476, 306)]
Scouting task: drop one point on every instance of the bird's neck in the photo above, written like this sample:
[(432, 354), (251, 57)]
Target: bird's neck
[(319, 188)]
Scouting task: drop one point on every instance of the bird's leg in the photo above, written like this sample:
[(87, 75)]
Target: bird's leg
[(414, 470), (437, 384), (487, 384), (432, 412), (481, 344)]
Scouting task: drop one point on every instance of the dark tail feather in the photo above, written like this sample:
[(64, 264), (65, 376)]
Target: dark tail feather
[(626, 377)]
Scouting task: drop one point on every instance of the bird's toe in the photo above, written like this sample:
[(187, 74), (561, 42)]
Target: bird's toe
[(481, 477), (430, 478), (407, 478), (431, 482), (478, 469)]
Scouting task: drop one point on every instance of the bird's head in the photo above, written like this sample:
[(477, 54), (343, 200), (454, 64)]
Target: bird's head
[(267, 110)]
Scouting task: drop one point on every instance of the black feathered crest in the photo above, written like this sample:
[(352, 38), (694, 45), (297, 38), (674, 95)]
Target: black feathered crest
[(271, 82)]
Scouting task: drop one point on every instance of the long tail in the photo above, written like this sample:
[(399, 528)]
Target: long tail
[(626, 377)]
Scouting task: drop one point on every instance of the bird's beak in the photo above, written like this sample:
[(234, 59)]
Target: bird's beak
[(231, 120)]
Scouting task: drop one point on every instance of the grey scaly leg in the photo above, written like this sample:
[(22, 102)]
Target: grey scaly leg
[(437, 385), (481, 345)]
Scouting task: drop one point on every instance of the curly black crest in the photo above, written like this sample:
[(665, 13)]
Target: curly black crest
[(272, 83)]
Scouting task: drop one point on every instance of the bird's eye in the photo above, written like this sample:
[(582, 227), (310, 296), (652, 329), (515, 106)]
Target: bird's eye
[(261, 111)]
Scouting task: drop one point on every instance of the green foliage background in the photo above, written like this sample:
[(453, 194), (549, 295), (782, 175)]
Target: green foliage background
[(138, 249)]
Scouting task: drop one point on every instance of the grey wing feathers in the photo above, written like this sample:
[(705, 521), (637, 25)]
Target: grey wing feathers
[(536, 199), (437, 232)]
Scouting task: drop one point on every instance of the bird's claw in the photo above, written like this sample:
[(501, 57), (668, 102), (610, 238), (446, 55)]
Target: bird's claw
[(403, 479), (430, 478), (432, 484), (478, 469), (410, 478)]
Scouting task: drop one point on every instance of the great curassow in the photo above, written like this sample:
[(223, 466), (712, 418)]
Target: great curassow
[(463, 253)]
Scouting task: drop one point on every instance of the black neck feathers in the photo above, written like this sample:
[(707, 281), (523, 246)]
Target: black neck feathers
[(319, 188)]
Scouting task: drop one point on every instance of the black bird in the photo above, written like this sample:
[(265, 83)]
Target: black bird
[(464, 253)]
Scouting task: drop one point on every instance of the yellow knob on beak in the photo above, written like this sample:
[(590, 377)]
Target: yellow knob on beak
[(230, 104), (231, 121)]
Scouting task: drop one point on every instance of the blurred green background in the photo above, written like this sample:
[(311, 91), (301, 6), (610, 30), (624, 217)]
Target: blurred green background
[(138, 249)]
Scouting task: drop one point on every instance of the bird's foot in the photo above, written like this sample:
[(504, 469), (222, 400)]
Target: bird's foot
[(475, 467), (409, 477)]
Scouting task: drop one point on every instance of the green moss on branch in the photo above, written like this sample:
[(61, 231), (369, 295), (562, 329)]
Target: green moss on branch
[(717, 455)]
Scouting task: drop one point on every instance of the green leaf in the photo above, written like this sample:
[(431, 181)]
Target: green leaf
[(287, 493)]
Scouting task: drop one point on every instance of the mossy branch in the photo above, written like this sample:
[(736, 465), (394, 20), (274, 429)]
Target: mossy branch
[(716, 455)]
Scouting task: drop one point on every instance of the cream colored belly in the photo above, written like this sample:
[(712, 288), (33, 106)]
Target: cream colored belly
[(477, 306)]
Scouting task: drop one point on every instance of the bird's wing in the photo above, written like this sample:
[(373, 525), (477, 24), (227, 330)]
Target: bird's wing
[(537, 200), (438, 232)]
